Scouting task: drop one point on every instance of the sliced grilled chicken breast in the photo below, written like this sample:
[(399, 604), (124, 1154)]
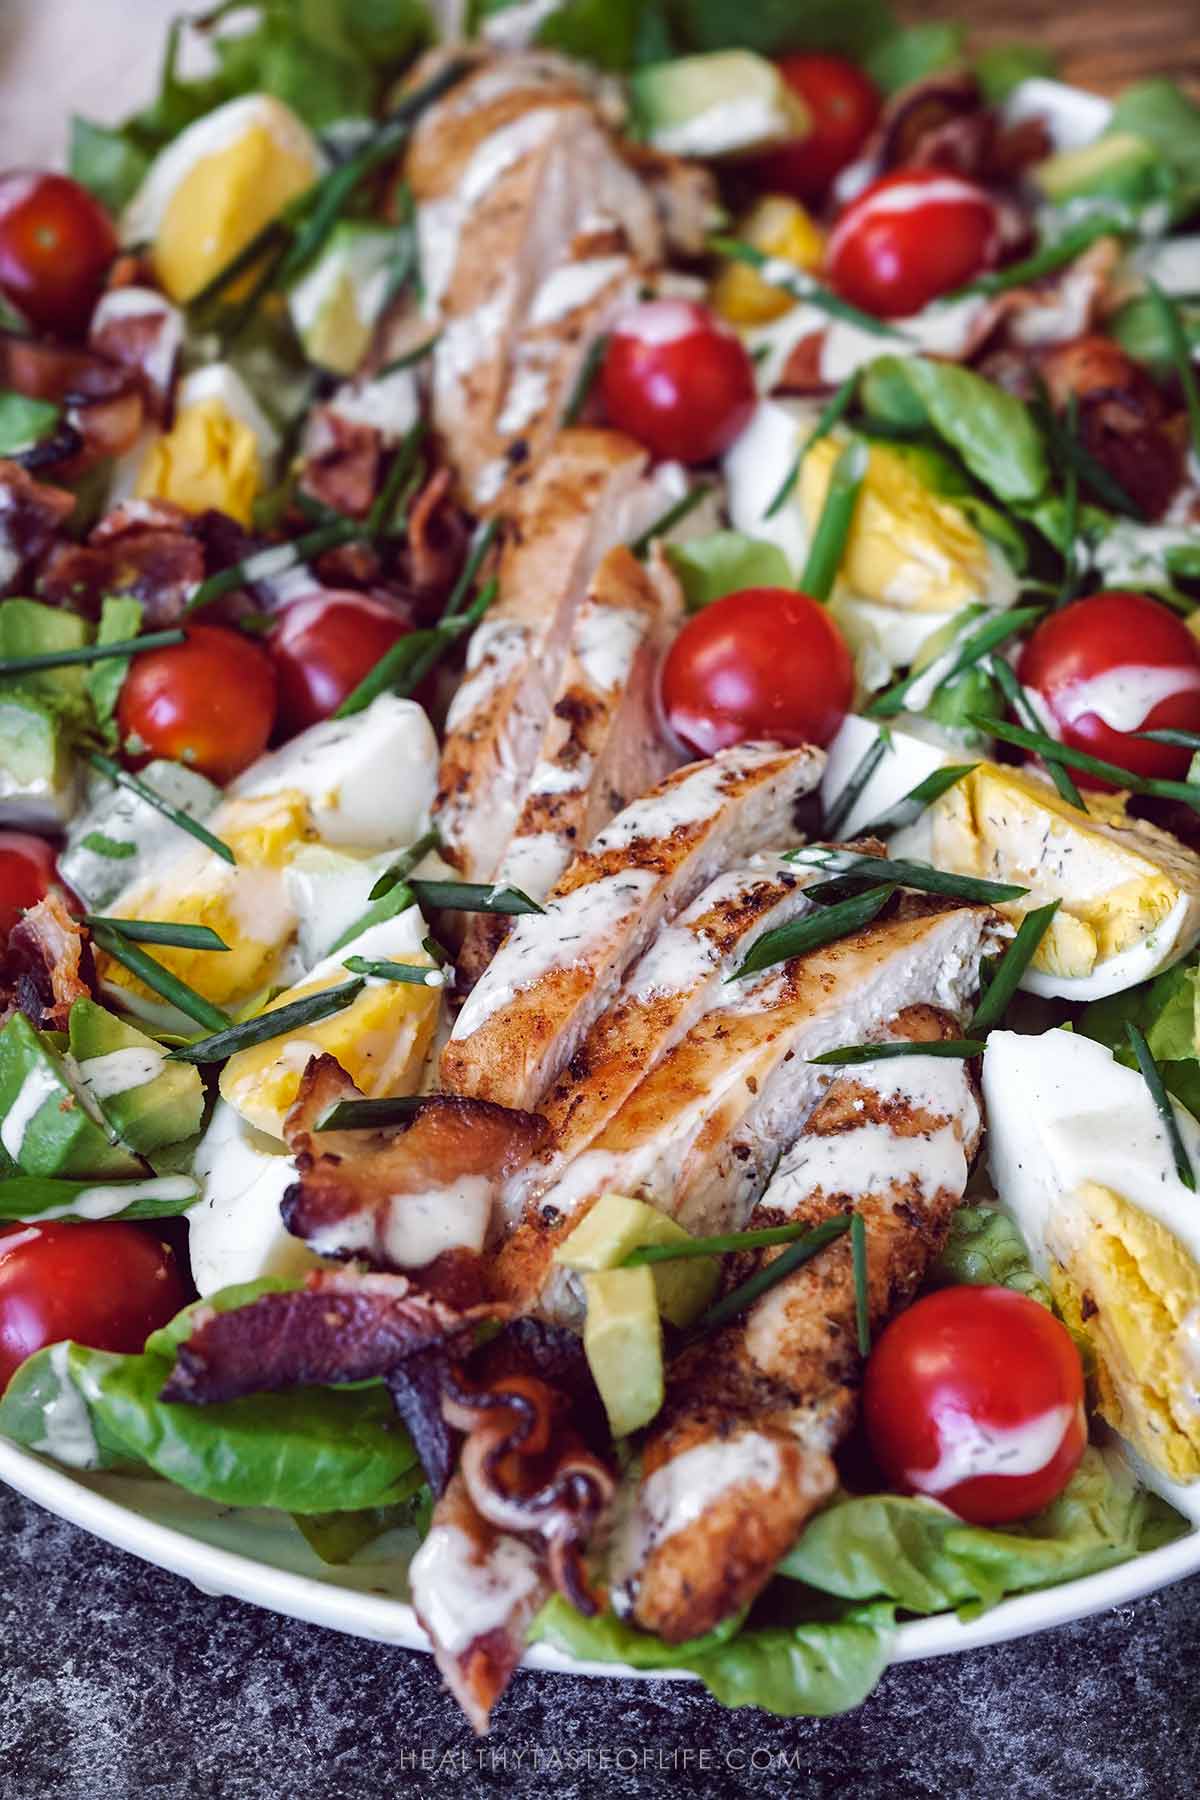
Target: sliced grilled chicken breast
[(557, 972), (603, 744), (475, 1590), (700, 1136), (740, 1456), (532, 230), (576, 508)]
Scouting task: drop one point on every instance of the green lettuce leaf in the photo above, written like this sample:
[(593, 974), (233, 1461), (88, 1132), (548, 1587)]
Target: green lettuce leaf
[(774, 25), (120, 619), (917, 1554), (914, 52), (1139, 329), (107, 160), (808, 1670), (1165, 1010), (992, 431), (985, 1248), (1165, 117), (1004, 67), (711, 567)]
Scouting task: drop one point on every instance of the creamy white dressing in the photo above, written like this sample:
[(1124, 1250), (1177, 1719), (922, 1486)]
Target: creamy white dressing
[(468, 338), (462, 1592), (734, 124), (487, 485), (1131, 554), (681, 1492), (691, 799), (574, 284), (106, 1199), (440, 222), (158, 362), (534, 861), (38, 1086), (119, 1071), (527, 395), (661, 321), (496, 651), (557, 778), (969, 1448), (389, 403), (1123, 698), (605, 641), (67, 1433)]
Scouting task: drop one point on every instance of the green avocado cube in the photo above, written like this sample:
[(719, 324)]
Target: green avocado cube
[(49, 1122), (38, 779), (622, 1340), (615, 1226), (723, 103), (30, 628), (149, 1101), (1119, 166)]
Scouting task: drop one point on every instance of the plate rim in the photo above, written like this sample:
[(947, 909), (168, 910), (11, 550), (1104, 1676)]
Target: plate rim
[(384, 1618)]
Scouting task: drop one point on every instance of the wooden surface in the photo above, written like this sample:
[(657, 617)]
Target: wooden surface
[(1100, 45)]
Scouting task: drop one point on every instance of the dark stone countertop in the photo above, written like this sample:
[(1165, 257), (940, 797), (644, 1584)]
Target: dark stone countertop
[(119, 1682)]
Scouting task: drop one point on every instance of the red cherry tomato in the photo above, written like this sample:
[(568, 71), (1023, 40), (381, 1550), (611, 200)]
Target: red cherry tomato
[(56, 243), (322, 647), (910, 236), (1112, 665), (975, 1397), (26, 874), (843, 105), (762, 663), (677, 380), (108, 1286), (208, 702)]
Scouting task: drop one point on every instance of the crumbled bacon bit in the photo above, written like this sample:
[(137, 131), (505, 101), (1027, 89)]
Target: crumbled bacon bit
[(342, 464), (31, 513), (47, 964)]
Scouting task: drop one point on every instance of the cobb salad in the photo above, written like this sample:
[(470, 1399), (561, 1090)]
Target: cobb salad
[(600, 875)]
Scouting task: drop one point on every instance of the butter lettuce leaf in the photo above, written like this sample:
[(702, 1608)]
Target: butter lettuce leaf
[(809, 1670), (985, 1249), (992, 431), (1165, 1010)]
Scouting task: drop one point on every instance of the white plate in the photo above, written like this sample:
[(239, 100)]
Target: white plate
[(261, 1557)]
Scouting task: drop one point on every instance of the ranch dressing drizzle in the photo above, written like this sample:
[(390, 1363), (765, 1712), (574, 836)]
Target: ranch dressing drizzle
[(106, 1200), (120, 1070), (37, 1087), (606, 640), (968, 1448), (1125, 697), (440, 222), (462, 1592)]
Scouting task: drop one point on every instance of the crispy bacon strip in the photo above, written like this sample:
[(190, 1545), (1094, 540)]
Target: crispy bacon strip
[(341, 467), (31, 513), (1123, 418), (47, 964), (358, 1191)]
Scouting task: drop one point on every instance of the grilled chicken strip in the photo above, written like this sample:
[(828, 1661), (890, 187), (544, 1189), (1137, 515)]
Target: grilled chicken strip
[(533, 232), (700, 1136), (583, 501), (602, 746), (741, 1455), (556, 974)]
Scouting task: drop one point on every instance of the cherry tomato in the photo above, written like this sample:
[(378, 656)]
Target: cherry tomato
[(322, 647), (56, 243), (208, 702), (26, 874), (843, 105), (677, 380), (1112, 665), (910, 236), (762, 663), (975, 1397), (107, 1286)]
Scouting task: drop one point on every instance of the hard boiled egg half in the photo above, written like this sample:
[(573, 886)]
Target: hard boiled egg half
[(1129, 893), (1081, 1159), (216, 185)]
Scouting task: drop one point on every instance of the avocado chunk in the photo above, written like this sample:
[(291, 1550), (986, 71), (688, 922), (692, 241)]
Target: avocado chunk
[(49, 1122), (113, 841), (1119, 166), (622, 1340), (337, 303), (29, 628), (726, 103), (615, 1226), (148, 1101), (38, 779)]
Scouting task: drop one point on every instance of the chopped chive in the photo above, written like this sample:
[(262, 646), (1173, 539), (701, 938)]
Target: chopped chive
[(646, 1255), (300, 550), (862, 1300), (1187, 740), (185, 822), (271, 234), (439, 952), (403, 463), (834, 411), (276, 1023), (1162, 1102), (1010, 969), (1181, 359), (409, 359), (368, 1115), (404, 864), (100, 844), (1052, 751), (393, 666), (994, 632), (852, 1054), (1006, 679), (911, 805), (153, 931), (413, 974), (837, 517), (88, 653), (846, 866), (664, 523), (802, 287), (160, 980), (856, 783), (813, 931), (747, 1292), (474, 896), (585, 380), (1070, 579), (1069, 449), (485, 537), (1042, 262)]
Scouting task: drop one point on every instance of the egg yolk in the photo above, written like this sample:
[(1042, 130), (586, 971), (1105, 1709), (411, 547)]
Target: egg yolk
[(207, 459)]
